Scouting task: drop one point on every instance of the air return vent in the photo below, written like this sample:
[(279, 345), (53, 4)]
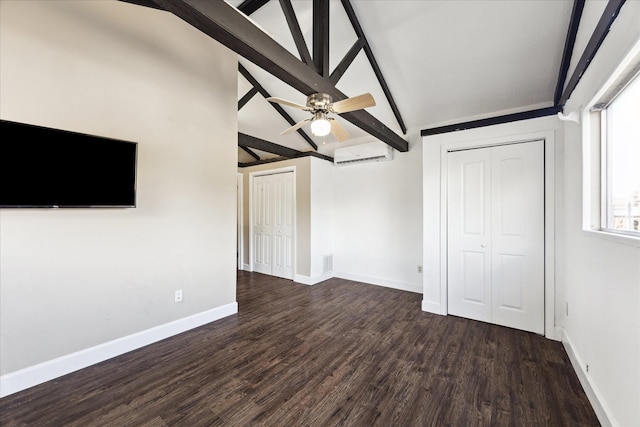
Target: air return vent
[(327, 264)]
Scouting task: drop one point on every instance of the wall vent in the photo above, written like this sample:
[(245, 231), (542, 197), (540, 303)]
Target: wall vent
[(327, 264)]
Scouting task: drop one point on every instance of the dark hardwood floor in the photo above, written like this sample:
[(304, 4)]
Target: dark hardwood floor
[(337, 353)]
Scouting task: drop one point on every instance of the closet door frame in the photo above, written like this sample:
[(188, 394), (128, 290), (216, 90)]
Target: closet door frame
[(549, 217), (252, 175)]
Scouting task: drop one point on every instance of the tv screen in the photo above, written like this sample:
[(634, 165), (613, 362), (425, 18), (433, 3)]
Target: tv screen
[(44, 167)]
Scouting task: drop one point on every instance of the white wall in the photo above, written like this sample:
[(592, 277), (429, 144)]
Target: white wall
[(600, 277), (378, 220), (72, 279), (322, 216)]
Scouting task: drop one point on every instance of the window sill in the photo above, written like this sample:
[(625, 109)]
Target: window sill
[(617, 238)]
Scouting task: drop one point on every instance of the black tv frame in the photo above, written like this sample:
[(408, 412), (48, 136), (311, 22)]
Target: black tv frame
[(43, 167)]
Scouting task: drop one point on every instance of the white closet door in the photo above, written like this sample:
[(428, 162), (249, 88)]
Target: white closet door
[(283, 226), (469, 234), (496, 235), (273, 224), (262, 224), (517, 250)]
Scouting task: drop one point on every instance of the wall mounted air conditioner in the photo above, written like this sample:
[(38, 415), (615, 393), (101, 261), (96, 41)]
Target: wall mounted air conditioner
[(371, 152)]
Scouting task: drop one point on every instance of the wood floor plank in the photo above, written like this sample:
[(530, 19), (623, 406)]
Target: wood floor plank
[(337, 353)]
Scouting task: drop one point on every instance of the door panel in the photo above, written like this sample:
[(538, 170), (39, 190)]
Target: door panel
[(468, 218), (510, 269), (473, 198), (518, 236), (283, 225), (473, 274), (261, 226)]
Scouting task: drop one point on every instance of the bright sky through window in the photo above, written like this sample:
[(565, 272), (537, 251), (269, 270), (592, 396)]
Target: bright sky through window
[(623, 141)]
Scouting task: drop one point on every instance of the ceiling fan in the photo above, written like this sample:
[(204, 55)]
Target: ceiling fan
[(320, 105)]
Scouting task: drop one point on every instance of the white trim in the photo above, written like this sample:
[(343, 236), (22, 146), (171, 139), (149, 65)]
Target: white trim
[(246, 267), (550, 237), (614, 237), (387, 283), (239, 219), (604, 414), (594, 203), (14, 382), (549, 217), (433, 307), (307, 280)]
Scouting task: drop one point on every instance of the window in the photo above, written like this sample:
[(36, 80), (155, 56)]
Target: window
[(620, 141), (611, 155)]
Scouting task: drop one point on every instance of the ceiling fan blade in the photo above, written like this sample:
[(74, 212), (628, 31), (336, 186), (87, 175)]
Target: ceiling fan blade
[(356, 103), (338, 131), (295, 127), (289, 103)]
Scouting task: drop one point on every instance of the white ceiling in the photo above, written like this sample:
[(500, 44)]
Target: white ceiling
[(444, 62)]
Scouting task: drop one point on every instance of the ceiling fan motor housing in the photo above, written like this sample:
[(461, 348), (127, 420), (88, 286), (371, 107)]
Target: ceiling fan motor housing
[(319, 101)]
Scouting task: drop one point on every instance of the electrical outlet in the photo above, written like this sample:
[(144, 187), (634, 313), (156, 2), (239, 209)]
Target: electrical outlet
[(587, 368), (566, 308), (419, 269), (178, 295)]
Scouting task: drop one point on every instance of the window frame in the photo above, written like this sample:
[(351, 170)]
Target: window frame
[(595, 157), (605, 143)]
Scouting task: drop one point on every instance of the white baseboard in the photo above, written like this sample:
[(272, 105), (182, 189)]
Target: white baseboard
[(403, 286), (556, 334), (433, 307), (246, 267), (595, 398), (307, 280), (14, 382)]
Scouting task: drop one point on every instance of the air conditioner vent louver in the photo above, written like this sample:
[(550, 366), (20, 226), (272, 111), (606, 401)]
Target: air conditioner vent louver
[(372, 152)]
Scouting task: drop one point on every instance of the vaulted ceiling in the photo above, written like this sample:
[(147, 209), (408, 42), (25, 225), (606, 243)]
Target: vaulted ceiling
[(442, 61), (428, 63)]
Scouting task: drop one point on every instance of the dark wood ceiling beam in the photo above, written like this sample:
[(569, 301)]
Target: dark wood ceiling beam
[(296, 32), (250, 152), (374, 64), (346, 61), (261, 162), (247, 97), (321, 37), (599, 34), (569, 43), (248, 141), (146, 3), (277, 107), (508, 118), (316, 155), (249, 6), (222, 22), (279, 159)]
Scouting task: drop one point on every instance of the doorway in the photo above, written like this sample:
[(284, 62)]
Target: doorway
[(495, 235)]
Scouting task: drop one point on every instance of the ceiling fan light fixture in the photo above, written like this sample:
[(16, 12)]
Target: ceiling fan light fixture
[(321, 105), (320, 125)]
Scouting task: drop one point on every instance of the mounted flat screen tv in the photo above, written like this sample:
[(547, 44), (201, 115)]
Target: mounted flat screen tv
[(42, 167)]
